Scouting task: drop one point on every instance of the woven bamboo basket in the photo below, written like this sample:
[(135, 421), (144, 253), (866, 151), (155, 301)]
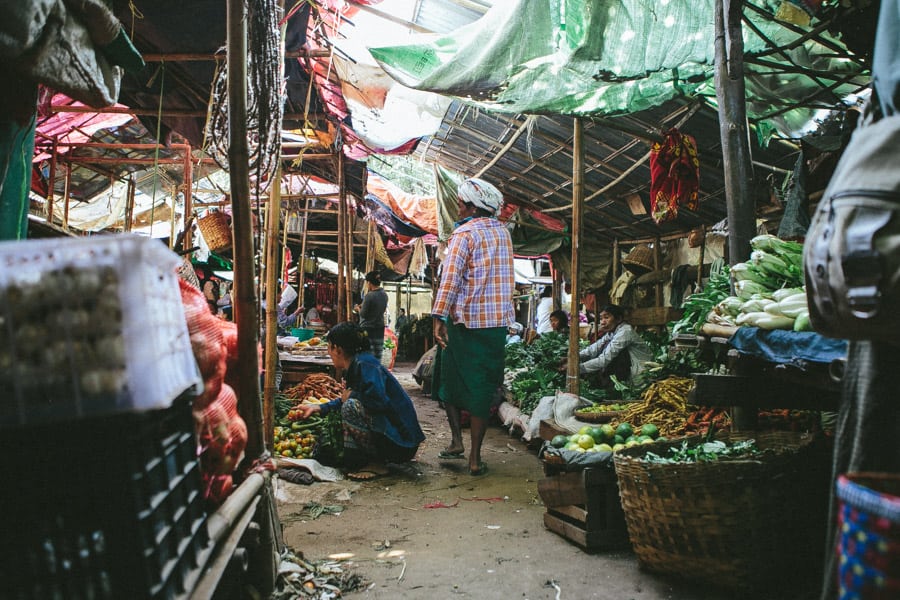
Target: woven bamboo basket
[(216, 230), (640, 260), (739, 524)]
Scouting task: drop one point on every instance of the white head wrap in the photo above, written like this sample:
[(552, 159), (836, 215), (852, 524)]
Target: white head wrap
[(482, 194)]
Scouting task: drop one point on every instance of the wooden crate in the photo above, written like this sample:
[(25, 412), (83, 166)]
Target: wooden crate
[(583, 507)]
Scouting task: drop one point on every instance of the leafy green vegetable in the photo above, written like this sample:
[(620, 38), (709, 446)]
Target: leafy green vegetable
[(706, 451), (697, 306)]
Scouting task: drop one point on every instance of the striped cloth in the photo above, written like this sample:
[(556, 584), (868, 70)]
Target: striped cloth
[(478, 280)]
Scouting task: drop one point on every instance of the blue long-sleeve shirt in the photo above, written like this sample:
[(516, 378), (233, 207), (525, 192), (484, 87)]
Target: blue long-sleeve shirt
[(384, 399)]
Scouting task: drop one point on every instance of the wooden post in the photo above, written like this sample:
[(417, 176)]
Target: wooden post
[(129, 204), (573, 367), (301, 274), (65, 222), (702, 256), (734, 132), (343, 304), (174, 194), (51, 183), (733, 129), (273, 214), (187, 241), (657, 263), (243, 292)]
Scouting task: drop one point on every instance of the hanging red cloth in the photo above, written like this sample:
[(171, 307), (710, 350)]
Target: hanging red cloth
[(674, 175)]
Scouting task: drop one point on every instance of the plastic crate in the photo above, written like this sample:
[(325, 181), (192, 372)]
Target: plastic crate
[(108, 507), (90, 326)]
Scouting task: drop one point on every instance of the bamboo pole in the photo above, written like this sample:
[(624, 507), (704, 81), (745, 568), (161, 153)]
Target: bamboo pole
[(301, 275), (273, 217), (68, 180), (172, 219), (702, 256), (734, 132), (129, 204), (243, 292), (657, 260), (573, 366), (52, 181), (187, 240), (343, 312)]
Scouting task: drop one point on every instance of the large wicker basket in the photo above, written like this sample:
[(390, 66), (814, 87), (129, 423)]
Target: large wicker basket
[(216, 230), (743, 524)]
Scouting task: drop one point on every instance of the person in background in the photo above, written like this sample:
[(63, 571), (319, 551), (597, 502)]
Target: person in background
[(329, 315), (559, 322), (371, 312), (619, 351), (543, 310), (381, 428), (401, 318), (514, 334), (286, 320), (472, 310), (224, 303), (314, 315)]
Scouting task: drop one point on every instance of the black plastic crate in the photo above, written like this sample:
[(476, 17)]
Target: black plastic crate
[(108, 507)]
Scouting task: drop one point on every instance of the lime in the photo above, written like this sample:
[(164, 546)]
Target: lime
[(597, 434), (585, 441), (650, 430), (618, 439), (625, 430), (574, 438), (644, 438), (617, 447), (631, 438), (585, 430), (603, 448), (572, 446), (647, 440), (609, 434), (559, 441)]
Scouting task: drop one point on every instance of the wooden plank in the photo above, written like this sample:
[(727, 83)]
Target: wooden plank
[(574, 511), (549, 429), (563, 489), (589, 540)]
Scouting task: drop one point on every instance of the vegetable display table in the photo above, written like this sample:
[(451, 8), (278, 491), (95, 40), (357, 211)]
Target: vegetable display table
[(296, 368), (802, 373)]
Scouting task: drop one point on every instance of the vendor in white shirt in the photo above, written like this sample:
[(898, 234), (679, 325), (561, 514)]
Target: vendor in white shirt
[(619, 350)]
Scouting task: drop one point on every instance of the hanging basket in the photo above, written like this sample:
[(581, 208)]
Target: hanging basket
[(216, 230), (640, 260)]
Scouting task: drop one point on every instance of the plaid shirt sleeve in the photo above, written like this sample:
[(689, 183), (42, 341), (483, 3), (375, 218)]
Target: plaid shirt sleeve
[(478, 280)]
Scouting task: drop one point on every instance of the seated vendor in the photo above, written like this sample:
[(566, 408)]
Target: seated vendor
[(619, 350), (381, 428), (559, 322)]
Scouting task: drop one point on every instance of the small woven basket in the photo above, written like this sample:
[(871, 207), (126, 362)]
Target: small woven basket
[(739, 524), (640, 260), (216, 230)]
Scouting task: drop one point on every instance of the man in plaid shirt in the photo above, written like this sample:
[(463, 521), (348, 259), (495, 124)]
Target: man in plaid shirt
[(472, 311)]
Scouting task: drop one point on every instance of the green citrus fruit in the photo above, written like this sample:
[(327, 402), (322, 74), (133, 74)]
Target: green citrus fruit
[(559, 441), (650, 430), (625, 430)]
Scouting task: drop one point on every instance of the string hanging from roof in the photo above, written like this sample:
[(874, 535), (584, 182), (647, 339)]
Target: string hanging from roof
[(265, 103)]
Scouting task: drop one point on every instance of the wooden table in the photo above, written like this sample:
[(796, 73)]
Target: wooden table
[(295, 368)]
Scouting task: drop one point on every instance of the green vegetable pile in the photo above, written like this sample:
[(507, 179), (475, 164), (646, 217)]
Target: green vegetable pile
[(539, 374), (709, 451), (697, 306)]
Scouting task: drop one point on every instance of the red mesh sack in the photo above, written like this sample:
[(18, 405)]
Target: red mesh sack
[(237, 443), (207, 343), (216, 488), (215, 433)]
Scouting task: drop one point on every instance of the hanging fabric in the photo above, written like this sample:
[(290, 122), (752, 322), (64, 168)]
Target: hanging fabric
[(674, 176), (419, 260)]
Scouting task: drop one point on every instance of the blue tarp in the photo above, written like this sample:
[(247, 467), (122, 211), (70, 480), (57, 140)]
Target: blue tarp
[(791, 347)]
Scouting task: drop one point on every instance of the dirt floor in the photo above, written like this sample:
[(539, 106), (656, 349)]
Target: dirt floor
[(446, 534)]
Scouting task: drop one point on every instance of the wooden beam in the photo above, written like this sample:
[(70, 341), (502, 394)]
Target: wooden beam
[(574, 364), (153, 112)]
